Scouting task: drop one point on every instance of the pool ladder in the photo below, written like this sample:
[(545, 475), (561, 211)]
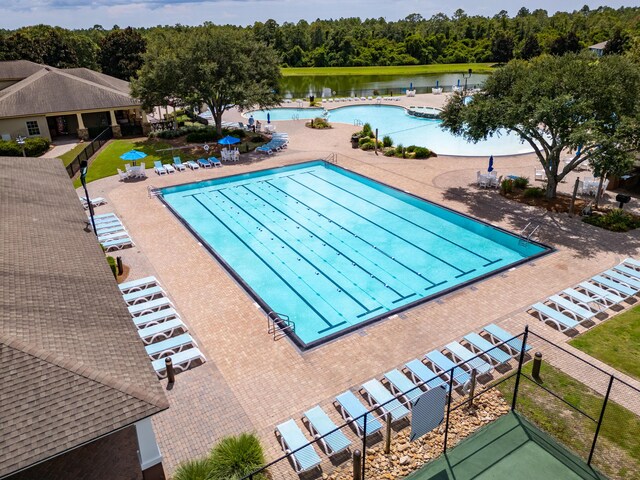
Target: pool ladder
[(153, 191), (528, 231), (358, 122), (278, 324)]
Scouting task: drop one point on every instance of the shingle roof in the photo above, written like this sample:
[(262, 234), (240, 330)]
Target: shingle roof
[(18, 69), (73, 367), (51, 90), (99, 78)]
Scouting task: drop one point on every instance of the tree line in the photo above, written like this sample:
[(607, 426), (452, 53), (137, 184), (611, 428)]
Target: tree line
[(413, 40)]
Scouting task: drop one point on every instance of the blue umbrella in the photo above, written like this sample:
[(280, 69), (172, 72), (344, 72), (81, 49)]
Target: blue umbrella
[(490, 169), (411, 86), (437, 83), (579, 152), (133, 155), (458, 82), (228, 140), (268, 117)]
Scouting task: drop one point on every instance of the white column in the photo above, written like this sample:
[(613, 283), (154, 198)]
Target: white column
[(112, 113), (148, 451), (80, 121)]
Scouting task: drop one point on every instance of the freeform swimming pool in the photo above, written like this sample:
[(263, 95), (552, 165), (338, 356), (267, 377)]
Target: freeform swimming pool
[(333, 250), (404, 129)]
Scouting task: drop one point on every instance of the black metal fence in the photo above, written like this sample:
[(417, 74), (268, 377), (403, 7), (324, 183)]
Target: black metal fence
[(585, 423), (90, 149), (131, 130)]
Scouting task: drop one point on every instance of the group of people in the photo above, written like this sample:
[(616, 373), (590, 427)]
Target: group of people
[(253, 125)]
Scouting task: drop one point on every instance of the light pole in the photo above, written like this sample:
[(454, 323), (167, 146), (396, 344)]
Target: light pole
[(83, 179), (466, 76), (20, 140)]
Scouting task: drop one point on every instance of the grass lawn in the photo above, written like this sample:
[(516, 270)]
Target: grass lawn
[(615, 342), (73, 153), (618, 448), (399, 70)]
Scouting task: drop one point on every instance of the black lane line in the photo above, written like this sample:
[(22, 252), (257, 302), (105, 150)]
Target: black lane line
[(462, 272), (490, 262), (311, 307), (326, 242), (300, 255), (433, 284)]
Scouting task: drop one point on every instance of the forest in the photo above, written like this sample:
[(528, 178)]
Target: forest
[(414, 40)]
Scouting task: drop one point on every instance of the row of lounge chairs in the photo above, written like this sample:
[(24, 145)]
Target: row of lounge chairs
[(278, 141), (393, 394), (360, 99), (111, 232), (159, 326), (180, 166), (95, 202), (132, 172), (580, 305)]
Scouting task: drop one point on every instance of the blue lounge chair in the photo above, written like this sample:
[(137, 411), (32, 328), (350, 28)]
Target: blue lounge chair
[(402, 387), (587, 301), (618, 277), (578, 312), (560, 320), (177, 163), (613, 285), (112, 236), (608, 297), (480, 345), (420, 373), (443, 365), (629, 272), (154, 318), (162, 331), (352, 410), (117, 244), (181, 361), (159, 168), (170, 346), (145, 295), (204, 163), (291, 439), (215, 162), (150, 306), (320, 425), (375, 393), (468, 358), (139, 284), (104, 218), (632, 262), (104, 215), (498, 335)]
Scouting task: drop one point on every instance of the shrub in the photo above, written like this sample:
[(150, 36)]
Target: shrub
[(533, 192), (199, 469), (376, 93), (203, 135), (114, 267), (366, 130), (364, 140), (33, 147), (521, 182), (411, 148), (256, 139), (234, 457), (506, 186), (616, 220), (237, 132), (390, 152), (319, 122), (10, 149), (399, 149), (386, 141), (421, 152), (367, 145)]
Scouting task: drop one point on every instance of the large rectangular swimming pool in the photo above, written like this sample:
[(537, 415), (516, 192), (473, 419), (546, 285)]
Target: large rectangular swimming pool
[(333, 250)]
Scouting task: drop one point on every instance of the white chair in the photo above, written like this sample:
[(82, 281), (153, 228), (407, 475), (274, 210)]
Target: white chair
[(540, 174), (141, 171), (123, 175)]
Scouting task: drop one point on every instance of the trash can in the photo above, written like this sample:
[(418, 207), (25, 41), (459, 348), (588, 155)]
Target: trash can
[(355, 139), (312, 98)]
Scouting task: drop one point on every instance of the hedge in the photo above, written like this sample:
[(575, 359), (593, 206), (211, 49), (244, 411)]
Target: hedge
[(33, 147)]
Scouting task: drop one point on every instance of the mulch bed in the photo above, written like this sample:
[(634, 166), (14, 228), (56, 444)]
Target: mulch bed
[(560, 204)]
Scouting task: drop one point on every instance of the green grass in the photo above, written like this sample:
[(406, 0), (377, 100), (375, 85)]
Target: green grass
[(616, 342), (73, 153), (618, 448), (398, 70)]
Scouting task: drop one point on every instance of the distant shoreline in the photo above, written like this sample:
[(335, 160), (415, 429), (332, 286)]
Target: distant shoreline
[(395, 70)]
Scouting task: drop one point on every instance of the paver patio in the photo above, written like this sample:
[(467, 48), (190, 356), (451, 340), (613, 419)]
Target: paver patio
[(253, 383)]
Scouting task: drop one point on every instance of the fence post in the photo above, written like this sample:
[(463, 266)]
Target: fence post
[(357, 467), (387, 437), (472, 390), (604, 406), (446, 426), (364, 444), (171, 374), (537, 363), (520, 362)]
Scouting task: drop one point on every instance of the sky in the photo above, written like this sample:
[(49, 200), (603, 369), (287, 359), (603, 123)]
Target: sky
[(148, 13)]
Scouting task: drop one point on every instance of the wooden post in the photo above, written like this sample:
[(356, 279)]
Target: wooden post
[(537, 363), (387, 437), (120, 266), (357, 465), (573, 197), (376, 146), (472, 390), (171, 374)]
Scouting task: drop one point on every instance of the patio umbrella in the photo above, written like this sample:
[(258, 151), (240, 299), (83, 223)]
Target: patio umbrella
[(437, 83), (133, 155), (458, 82), (411, 86), (490, 169), (268, 117), (228, 140)]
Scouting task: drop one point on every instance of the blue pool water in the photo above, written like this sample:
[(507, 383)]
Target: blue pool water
[(332, 249), (405, 129)]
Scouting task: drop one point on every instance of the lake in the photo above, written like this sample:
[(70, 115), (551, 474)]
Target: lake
[(364, 85)]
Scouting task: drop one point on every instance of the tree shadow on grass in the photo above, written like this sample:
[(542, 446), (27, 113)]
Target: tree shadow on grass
[(556, 229)]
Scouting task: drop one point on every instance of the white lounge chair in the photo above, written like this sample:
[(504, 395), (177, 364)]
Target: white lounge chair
[(155, 318), (181, 361), (423, 375), (320, 425), (169, 168), (547, 314), (159, 168), (465, 356), (170, 346), (140, 296), (150, 307), (291, 438), (161, 331), (352, 410), (609, 297), (177, 163), (479, 344), (379, 397), (500, 336), (117, 244), (192, 165), (139, 284), (402, 387)]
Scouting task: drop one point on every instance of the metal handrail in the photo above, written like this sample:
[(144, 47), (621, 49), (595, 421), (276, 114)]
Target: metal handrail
[(278, 324)]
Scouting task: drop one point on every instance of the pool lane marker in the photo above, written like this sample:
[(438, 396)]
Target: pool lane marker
[(490, 262), (311, 307)]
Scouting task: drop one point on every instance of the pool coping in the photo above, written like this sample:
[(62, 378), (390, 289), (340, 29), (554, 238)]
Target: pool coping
[(295, 339)]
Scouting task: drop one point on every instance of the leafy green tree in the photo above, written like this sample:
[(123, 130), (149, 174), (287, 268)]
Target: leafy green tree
[(609, 161), (121, 53), (531, 48), (617, 44), (216, 66), (569, 43), (502, 47), (542, 102)]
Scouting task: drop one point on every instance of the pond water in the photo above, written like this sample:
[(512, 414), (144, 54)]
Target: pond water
[(364, 85)]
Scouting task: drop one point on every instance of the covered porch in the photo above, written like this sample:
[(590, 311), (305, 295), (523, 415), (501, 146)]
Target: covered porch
[(86, 125)]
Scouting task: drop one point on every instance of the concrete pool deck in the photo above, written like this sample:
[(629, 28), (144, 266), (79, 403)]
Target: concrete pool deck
[(250, 382)]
